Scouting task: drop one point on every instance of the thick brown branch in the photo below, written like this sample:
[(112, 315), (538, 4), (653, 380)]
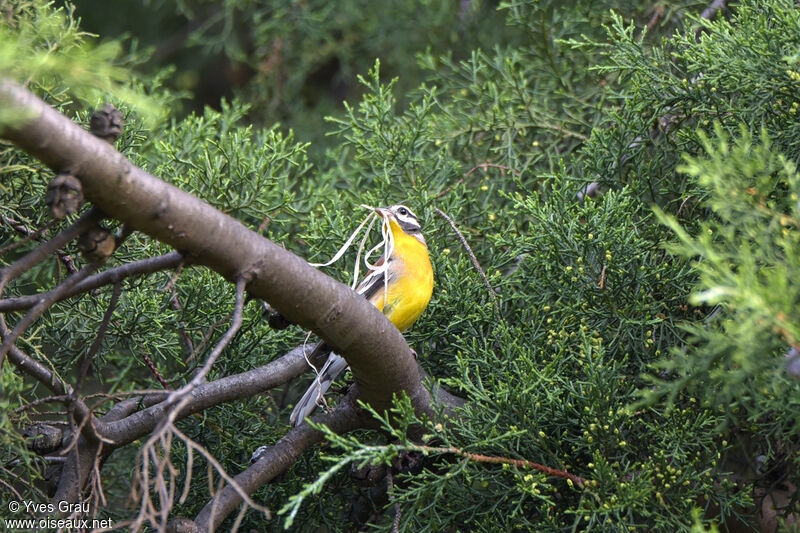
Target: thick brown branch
[(124, 429), (276, 459), (345, 320)]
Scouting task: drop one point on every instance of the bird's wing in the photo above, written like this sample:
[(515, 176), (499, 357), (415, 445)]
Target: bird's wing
[(374, 281), (306, 405)]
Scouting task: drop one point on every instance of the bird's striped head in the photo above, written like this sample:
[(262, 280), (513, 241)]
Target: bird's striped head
[(404, 218)]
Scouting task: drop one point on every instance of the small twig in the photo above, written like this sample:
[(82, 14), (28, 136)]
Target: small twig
[(263, 225), (522, 463), (32, 258), (49, 379), (485, 166), (34, 368), (86, 428), (172, 280), (179, 398), (97, 486), (98, 340), (24, 230), (186, 340), (449, 188), (112, 275), (602, 283), (474, 260), (206, 337), (658, 14), (152, 366), (156, 452), (10, 487), (42, 458), (683, 203), (33, 403), (45, 301), (105, 396), (236, 323)]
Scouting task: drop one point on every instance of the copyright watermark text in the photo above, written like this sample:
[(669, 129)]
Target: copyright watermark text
[(26, 515)]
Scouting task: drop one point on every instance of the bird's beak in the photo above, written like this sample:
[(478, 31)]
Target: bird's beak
[(383, 212)]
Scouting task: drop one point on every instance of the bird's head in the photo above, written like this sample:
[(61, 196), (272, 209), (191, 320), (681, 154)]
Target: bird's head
[(400, 217)]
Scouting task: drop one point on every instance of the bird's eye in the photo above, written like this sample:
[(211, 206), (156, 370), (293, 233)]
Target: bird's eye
[(403, 211)]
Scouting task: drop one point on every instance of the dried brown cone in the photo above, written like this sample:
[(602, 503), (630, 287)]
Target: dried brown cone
[(107, 123), (64, 195), (42, 438), (97, 244)]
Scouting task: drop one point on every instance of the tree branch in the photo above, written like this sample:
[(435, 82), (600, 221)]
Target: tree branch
[(227, 389), (32, 258), (28, 233), (98, 340), (112, 275), (42, 374), (81, 457), (44, 301), (709, 13), (125, 426)]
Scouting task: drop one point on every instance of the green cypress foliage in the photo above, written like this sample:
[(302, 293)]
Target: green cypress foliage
[(643, 334)]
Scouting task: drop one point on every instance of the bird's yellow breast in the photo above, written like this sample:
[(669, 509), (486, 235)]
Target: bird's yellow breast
[(409, 293)]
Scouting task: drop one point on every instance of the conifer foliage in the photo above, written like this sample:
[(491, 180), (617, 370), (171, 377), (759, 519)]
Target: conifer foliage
[(619, 340)]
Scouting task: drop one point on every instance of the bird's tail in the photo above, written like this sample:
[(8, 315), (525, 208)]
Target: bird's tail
[(334, 366)]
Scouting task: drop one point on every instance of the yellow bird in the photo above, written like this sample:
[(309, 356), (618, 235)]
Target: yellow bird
[(401, 287)]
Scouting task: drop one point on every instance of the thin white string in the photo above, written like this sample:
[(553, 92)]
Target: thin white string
[(345, 246), (361, 248), (318, 378), (388, 240), (305, 355), (387, 243), (373, 266)]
